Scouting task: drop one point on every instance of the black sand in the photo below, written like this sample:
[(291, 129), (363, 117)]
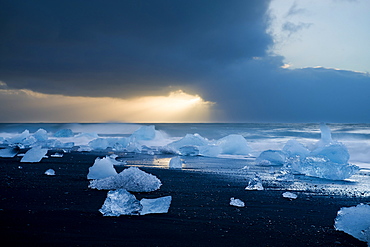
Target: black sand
[(41, 210)]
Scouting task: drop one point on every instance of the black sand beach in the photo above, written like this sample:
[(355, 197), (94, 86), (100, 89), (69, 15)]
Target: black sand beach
[(41, 210)]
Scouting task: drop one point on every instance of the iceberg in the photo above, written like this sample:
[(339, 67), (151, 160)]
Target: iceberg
[(329, 159), (236, 202), (175, 163), (322, 167), (41, 135), (99, 144), (155, 206), (354, 221), (101, 168), (132, 179), (134, 147), (289, 195), (336, 152), (294, 148), (87, 135), (50, 172), (255, 183), (333, 150), (234, 145), (188, 151), (195, 144), (210, 150), (120, 202), (9, 152), (64, 133), (34, 155), (145, 133), (20, 138), (190, 140), (275, 158), (118, 144), (325, 136)]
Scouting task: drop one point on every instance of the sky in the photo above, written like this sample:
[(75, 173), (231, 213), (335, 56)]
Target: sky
[(184, 61)]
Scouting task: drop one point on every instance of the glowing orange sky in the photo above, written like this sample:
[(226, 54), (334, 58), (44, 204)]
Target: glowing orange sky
[(29, 106)]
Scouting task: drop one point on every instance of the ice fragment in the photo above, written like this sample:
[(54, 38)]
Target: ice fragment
[(34, 155), (64, 133), (255, 183), (132, 179), (354, 221), (236, 202), (120, 202), (8, 152), (102, 168), (50, 172), (155, 206), (275, 157), (175, 163), (289, 195)]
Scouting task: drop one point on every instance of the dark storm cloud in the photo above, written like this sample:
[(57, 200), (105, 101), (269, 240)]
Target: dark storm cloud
[(262, 91), (121, 48)]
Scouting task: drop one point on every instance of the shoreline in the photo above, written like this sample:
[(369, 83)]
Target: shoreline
[(60, 210)]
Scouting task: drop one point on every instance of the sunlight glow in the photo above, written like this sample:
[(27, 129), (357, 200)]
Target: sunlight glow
[(30, 106)]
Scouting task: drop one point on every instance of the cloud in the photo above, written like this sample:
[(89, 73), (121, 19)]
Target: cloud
[(292, 28), (134, 47), (295, 10), (261, 91)]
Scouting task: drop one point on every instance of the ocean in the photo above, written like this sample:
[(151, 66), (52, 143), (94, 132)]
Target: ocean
[(260, 137)]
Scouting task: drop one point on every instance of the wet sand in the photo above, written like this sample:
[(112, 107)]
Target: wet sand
[(41, 210)]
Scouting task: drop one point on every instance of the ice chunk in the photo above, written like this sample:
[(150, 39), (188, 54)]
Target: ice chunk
[(325, 135), (64, 133), (236, 202), (145, 133), (189, 140), (57, 155), (88, 135), (102, 168), (285, 174), (337, 153), (175, 163), (84, 148), (234, 144), (354, 221), (210, 150), (294, 148), (255, 183), (132, 179), (189, 151), (99, 144), (50, 172), (134, 147), (120, 202), (323, 168), (289, 195), (35, 154), (8, 152), (275, 157), (20, 138), (118, 144), (155, 206), (56, 144), (41, 135)]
